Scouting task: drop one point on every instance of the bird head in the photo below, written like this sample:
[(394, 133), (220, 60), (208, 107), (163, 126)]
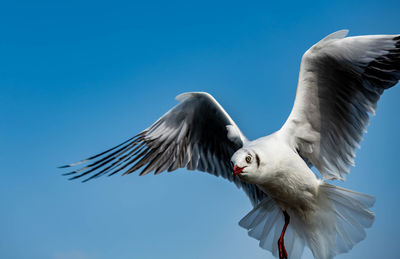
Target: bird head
[(246, 164)]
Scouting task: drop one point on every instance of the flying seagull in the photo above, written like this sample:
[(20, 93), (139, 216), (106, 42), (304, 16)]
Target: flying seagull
[(340, 82)]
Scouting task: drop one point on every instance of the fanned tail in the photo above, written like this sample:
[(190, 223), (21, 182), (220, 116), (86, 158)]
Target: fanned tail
[(352, 215), (336, 225), (265, 223)]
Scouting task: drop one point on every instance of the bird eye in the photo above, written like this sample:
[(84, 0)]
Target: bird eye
[(248, 159)]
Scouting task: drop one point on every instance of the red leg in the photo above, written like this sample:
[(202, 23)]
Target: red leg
[(281, 242)]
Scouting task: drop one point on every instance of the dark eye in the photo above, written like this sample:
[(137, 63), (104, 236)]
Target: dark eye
[(248, 159)]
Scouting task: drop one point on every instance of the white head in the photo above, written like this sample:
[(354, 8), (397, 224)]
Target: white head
[(246, 164)]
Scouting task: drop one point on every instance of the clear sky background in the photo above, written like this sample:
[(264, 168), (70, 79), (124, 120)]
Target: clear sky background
[(78, 77)]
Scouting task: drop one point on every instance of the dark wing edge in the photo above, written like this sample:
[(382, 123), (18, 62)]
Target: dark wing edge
[(192, 135)]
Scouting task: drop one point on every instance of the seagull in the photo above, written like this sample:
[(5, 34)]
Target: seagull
[(340, 82)]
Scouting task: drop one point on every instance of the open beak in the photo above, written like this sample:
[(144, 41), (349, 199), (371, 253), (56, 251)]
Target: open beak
[(237, 170)]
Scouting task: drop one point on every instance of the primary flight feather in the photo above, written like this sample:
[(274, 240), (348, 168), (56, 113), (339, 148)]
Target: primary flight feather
[(340, 82)]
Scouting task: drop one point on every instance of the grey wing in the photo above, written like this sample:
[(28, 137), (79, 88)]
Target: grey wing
[(340, 82), (197, 134)]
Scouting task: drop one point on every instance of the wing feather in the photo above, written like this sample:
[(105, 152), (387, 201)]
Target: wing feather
[(340, 82), (192, 135)]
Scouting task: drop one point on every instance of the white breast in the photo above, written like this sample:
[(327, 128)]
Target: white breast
[(284, 175)]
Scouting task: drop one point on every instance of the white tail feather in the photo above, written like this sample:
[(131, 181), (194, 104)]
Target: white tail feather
[(265, 223), (334, 227), (352, 215)]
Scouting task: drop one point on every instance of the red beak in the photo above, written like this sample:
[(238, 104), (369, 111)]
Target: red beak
[(237, 170)]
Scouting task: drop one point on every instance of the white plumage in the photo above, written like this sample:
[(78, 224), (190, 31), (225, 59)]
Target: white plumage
[(340, 82)]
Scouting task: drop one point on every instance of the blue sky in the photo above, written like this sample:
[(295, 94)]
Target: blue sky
[(77, 77)]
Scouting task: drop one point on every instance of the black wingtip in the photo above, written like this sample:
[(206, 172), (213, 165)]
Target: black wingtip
[(84, 181), (74, 177), (73, 172), (64, 166)]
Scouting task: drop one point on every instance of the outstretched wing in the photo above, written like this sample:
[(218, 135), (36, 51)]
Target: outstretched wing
[(197, 134), (340, 82)]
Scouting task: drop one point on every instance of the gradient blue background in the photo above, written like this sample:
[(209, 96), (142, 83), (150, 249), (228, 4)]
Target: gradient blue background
[(79, 77)]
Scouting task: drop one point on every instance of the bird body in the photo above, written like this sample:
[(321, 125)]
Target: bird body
[(282, 173), (315, 208), (340, 82)]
